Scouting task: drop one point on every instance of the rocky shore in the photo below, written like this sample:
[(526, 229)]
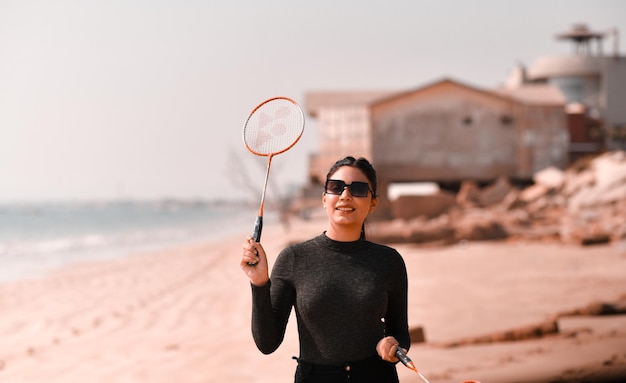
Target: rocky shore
[(584, 205)]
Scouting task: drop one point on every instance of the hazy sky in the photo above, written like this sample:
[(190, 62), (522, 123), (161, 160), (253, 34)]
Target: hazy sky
[(147, 99)]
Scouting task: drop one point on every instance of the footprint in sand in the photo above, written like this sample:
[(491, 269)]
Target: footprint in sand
[(96, 322)]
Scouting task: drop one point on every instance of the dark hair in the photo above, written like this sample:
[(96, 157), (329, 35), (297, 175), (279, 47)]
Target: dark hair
[(363, 165)]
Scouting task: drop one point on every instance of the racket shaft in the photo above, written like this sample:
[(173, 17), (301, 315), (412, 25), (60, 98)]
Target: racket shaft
[(258, 225)]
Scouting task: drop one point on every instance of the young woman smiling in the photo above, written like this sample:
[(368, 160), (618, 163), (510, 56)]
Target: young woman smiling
[(349, 294)]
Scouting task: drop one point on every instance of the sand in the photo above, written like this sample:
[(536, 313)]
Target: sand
[(182, 315)]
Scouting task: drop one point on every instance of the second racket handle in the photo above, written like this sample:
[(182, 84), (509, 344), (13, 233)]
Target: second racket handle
[(403, 357)]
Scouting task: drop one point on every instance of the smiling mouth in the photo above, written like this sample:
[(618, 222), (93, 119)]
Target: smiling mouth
[(345, 209)]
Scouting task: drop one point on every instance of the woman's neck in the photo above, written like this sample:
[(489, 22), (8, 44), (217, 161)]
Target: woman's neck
[(343, 235)]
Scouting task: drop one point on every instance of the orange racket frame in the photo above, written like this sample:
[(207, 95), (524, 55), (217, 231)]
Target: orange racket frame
[(294, 137)]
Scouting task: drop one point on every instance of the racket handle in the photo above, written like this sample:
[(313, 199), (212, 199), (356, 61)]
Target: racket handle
[(404, 358), (256, 236), (258, 227)]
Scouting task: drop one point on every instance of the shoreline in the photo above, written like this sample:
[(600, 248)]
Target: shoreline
[(99, 231), (183, 314)]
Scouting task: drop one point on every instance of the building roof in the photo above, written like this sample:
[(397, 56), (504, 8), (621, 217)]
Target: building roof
[(318, 100), (529, 94), (534, 94), (433, 84)]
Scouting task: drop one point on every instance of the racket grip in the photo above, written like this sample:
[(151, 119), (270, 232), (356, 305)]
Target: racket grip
[(256, 235), (258, 227), (403, 357)]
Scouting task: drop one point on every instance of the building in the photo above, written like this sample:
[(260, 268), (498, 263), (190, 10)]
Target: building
[(593, 85), (446, 132), (552, 113)]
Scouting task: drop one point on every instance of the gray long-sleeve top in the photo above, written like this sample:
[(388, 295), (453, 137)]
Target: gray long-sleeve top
[(347, 296)]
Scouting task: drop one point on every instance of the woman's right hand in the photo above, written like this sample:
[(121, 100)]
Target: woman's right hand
[(387, 347), (254, 262)]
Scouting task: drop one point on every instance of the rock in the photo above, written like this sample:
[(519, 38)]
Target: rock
[(609, 174), (539, 330), (585, 205), (533, 193), (395, 231), (417, 335), (469, 194), (479, 227), (597, 308), (574, 181), (417, 230), (615, 194), (495, 193), (610, 170), (595, 238), (411, 206), (510, 201), (551, 178)]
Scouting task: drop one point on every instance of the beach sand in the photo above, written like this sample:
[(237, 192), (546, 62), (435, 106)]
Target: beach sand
[(183, 315)]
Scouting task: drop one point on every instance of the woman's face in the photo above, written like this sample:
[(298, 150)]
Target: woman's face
[(346, 211)]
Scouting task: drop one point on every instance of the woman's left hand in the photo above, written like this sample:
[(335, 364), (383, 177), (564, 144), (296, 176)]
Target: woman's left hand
[(387, 347)]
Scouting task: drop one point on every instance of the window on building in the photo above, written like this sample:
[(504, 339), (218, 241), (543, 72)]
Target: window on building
[(506, 120)]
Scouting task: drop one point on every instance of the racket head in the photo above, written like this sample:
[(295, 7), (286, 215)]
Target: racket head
[(273, 126)]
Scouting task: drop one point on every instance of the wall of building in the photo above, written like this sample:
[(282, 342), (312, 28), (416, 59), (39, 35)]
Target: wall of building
[(614, 98), (598, 82), (446, 133), (544, 139), (342, 131)]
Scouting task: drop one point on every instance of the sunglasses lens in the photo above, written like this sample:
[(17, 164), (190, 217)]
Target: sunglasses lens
[(359, 189), (335, 186)]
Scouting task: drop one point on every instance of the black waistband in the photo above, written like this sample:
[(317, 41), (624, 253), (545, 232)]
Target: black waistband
[(343, 367)]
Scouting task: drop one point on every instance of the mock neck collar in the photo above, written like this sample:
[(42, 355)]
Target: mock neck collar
[(340, 245)]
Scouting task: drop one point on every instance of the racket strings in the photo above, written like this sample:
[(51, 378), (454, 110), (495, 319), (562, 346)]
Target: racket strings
[(273, 127)]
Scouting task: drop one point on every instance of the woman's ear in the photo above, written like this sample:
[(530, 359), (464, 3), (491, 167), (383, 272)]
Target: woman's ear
[(373, 204)]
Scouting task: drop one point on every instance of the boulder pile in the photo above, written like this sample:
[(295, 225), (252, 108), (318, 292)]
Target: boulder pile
[(584, 204)]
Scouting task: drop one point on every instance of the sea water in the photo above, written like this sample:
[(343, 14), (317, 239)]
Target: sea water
[(36, 238)]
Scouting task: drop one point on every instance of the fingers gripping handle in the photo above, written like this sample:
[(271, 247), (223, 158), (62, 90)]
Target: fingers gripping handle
[(256, 235)]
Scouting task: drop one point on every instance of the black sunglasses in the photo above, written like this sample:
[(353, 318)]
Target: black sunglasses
[(357, 189)]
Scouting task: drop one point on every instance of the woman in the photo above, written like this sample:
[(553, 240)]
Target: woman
[(350, 295)]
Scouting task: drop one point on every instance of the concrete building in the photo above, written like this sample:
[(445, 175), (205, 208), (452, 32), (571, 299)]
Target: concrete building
[(550, 114), (594, 87), (444, 132)]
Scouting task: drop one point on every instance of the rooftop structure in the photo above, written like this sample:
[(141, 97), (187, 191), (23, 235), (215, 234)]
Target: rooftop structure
[(593, 84)]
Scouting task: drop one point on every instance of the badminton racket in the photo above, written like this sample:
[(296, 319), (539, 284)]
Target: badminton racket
[(272, 128), (404, 358)]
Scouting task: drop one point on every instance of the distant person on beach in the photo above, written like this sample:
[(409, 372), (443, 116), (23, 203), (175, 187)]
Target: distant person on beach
[(349, 294)]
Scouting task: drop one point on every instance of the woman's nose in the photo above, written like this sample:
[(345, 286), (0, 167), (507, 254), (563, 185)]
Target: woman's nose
[(346, 192)]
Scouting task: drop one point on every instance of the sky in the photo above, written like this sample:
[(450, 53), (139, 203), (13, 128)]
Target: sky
[(138, 99)]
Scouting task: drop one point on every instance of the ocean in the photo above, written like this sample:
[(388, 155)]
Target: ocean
[(36, 238)]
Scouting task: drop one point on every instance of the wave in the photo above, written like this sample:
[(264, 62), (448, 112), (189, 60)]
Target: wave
[(34, 240)]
